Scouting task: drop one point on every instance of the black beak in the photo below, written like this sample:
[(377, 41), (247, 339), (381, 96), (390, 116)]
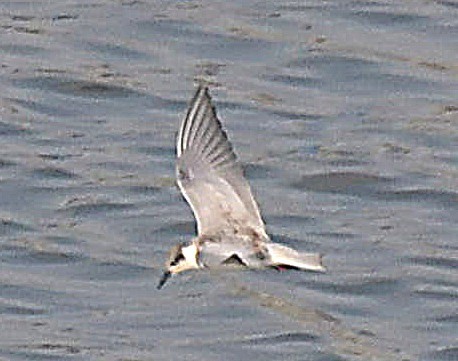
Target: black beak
[(163, 279)]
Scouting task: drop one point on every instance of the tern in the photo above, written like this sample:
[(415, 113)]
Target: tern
[(230, 230)]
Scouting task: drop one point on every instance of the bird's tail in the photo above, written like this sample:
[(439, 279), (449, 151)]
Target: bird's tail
[(281, 255)]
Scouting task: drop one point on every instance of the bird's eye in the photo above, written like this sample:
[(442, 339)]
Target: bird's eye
[(177, 260)]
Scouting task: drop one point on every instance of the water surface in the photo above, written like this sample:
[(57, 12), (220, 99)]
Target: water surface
[(345, 114)]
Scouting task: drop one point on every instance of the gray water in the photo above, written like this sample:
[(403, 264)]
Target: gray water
[(345, 115)]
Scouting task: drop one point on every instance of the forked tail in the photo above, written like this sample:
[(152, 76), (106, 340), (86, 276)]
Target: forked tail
[(284, 256)]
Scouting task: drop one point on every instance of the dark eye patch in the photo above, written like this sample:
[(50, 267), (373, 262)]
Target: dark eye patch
[(177, 259)]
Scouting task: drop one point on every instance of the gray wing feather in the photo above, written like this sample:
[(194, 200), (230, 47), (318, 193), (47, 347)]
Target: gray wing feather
[(209, 175)]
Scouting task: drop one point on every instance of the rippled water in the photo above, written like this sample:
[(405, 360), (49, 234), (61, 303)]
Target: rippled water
[(345, 114)]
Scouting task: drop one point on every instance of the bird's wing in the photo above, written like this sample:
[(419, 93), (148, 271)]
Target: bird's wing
[(209, 175)]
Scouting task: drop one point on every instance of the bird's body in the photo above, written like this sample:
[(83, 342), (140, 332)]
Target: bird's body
[(229, 225)]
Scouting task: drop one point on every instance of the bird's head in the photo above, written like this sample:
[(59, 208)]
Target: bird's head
[(181, 258)]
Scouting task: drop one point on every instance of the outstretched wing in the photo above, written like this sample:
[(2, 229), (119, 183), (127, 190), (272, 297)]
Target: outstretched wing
[(208, 174)]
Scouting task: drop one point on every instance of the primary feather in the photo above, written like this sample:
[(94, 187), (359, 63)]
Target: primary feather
[(209, 175)]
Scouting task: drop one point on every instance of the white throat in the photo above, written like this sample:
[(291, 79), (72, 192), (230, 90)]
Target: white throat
[(190, 254)]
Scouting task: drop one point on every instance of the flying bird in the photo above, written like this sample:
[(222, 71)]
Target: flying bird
[(230, 230)]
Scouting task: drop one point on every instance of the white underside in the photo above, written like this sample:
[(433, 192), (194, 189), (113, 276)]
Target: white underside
[(190, 253)]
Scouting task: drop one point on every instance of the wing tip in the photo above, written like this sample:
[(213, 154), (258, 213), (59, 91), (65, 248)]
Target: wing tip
[(202, 88), (202, 84), (202, 91), (202, 94)]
